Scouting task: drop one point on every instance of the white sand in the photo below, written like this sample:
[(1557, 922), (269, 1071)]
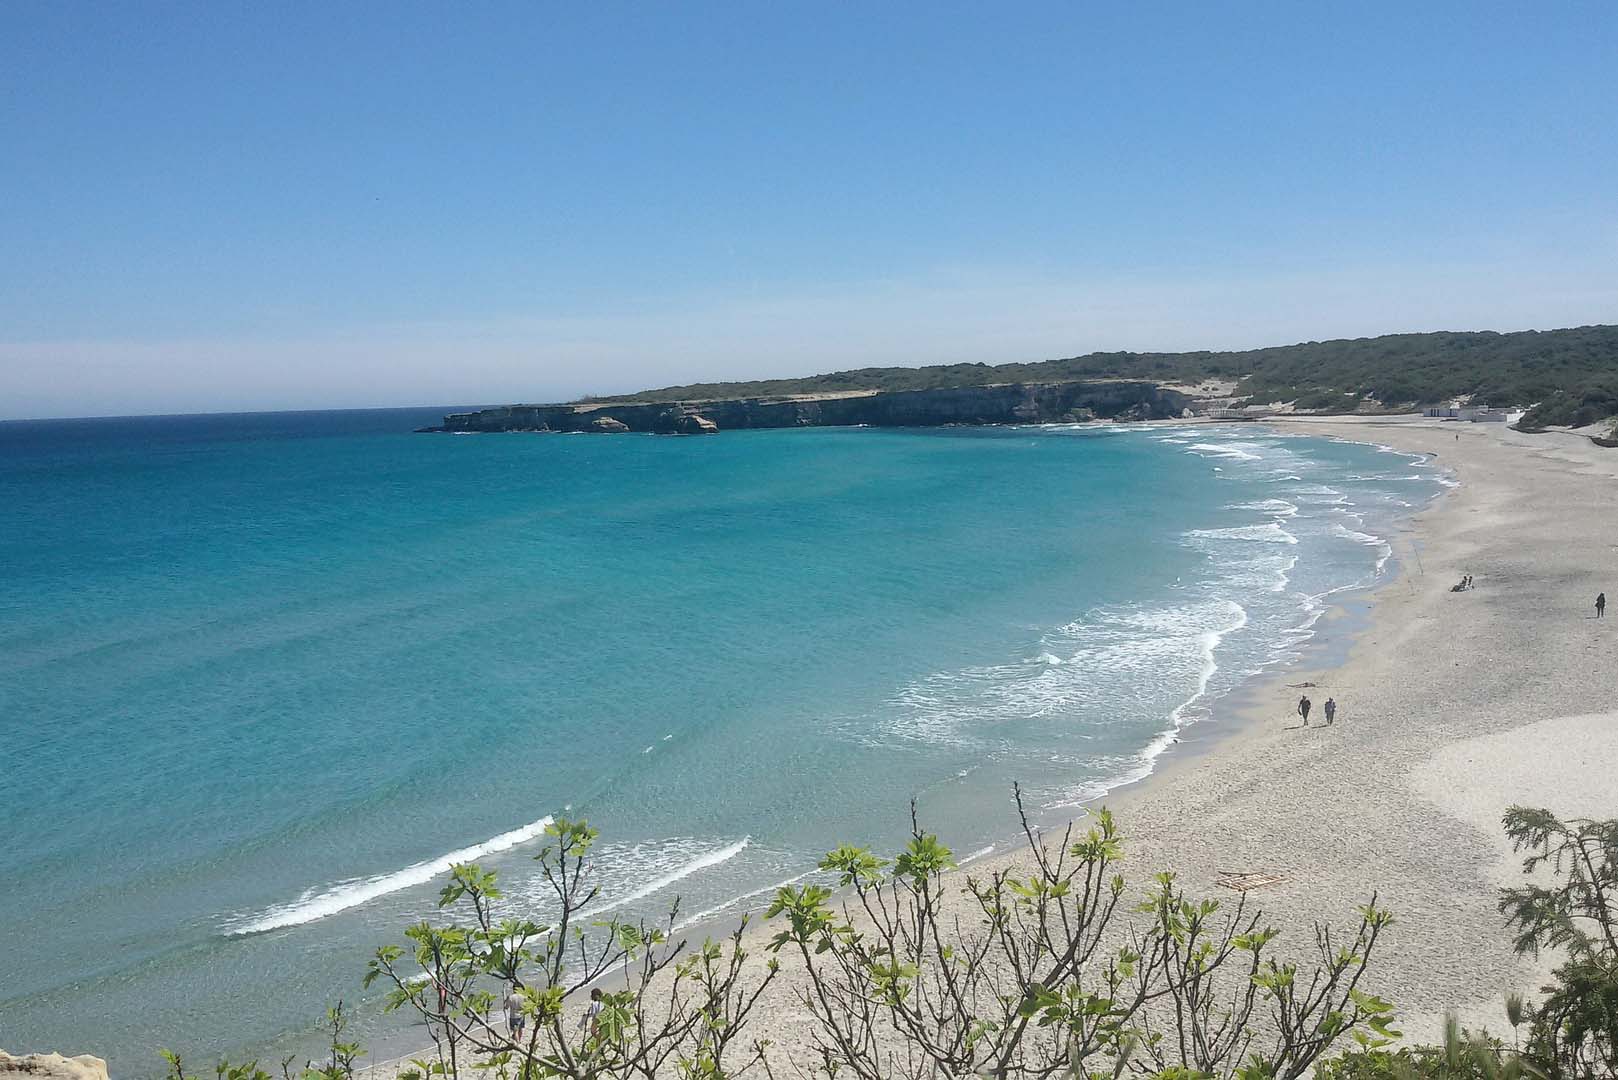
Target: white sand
[(1565, 763)]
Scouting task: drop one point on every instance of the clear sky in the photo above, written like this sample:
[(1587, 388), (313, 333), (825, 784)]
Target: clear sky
[(221, 206)]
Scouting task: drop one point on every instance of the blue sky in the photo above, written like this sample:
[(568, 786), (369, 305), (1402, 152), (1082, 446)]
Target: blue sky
[(231, 206)]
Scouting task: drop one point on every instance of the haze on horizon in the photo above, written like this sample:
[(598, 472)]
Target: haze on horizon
[(307, 206)]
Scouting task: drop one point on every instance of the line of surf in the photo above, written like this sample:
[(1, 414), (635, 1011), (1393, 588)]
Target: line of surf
[(701, 862), (351, 894), (733, 901)]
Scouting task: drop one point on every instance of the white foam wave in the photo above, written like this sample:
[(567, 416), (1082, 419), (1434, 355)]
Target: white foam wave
[(1117, 657), (1233, 451), (1269, 533), (978, 854), (733, 901), (1339, 529), (313, 905), (701, 862), (1142, 765), (1319, 494), (1277, 507)]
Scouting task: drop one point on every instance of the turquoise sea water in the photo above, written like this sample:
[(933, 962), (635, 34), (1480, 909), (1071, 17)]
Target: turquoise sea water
[(262, 677)]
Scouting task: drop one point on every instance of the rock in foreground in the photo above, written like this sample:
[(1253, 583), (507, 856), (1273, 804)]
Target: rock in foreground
[(51, 1067)]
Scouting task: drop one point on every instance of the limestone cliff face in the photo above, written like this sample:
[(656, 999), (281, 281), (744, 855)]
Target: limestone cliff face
[(51, 1067), (1012, 403)]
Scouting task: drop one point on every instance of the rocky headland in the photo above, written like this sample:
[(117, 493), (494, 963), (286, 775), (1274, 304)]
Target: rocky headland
[(1009, 403)]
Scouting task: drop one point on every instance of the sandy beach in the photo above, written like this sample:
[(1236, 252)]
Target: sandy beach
[(1452, 707)]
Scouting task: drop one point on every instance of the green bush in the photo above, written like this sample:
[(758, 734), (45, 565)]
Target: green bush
[(1463, 1056), (1041, 981), (1589, 405), (1574, 1030), (1327, 401)]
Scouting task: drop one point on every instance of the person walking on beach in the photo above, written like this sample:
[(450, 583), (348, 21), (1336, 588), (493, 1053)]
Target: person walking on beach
[(1601, 604), (1331, 710), (515, 1020), (1303, 709)]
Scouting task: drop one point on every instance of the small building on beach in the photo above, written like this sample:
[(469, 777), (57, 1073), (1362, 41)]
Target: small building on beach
[(1476, 414)]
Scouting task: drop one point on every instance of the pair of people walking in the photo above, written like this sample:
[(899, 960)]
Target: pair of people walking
[(517, 1017), (1305, 705)]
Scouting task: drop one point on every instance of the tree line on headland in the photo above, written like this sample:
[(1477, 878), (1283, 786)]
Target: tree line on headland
[(1570, 376)]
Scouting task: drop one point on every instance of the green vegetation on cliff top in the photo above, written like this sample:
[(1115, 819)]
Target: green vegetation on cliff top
[(1574, 373)]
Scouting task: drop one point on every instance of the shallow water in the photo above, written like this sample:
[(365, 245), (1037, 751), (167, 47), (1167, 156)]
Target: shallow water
[(262, 678)]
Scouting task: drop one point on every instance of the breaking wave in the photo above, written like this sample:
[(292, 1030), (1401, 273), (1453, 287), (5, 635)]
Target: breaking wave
[(1233, 451), (1270, 533), (314, 904), (656, 885), (1277, 507)]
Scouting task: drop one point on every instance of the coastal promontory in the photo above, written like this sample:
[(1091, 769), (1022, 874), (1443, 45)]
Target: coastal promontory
[(1008, 403)]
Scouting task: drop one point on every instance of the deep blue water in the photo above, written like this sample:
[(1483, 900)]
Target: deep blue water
[(261, 676)]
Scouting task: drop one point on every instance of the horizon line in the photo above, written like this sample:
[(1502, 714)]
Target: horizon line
[(789, 378)]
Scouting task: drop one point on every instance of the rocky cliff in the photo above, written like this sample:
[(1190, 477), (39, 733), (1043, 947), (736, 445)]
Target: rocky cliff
[(1010, 403)]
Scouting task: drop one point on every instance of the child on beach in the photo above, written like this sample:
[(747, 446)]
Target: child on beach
[(592, 1016)]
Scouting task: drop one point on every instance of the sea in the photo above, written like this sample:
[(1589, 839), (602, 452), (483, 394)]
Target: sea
[(264, 678)]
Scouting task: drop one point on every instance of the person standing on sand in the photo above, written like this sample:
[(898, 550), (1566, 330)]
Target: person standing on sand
[(1303, 709), (1331, 710), (592, 1016), (1601, 604), (515, 1019)]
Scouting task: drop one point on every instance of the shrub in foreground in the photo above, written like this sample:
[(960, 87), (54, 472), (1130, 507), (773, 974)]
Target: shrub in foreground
[(1573, 909), (1048, 972), (1043, 975)]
